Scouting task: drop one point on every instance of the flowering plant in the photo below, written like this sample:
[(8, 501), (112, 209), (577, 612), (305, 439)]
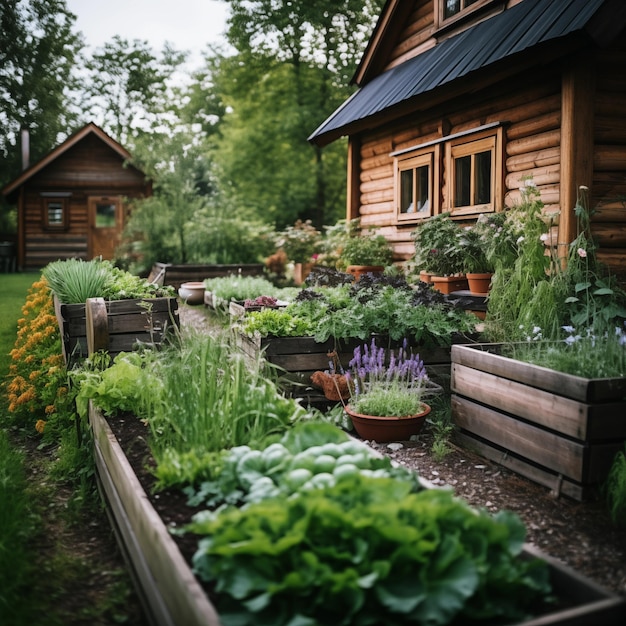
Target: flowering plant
[(300, 241), (392, 388)]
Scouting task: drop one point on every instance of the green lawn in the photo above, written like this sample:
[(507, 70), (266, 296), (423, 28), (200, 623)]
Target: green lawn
[(13, 289)]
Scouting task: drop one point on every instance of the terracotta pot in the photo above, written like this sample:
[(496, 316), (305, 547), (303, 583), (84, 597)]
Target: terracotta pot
[(334, 386), (359, 270), (479, 284), (386, 429), (426, 277), (448, 284), (301, 271)]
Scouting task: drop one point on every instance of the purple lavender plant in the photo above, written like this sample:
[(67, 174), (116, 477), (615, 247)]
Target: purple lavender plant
[(369, 371)]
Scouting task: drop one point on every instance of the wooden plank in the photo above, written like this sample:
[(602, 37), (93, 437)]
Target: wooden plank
[(560, 414), (486, 357), (557, 484), (550, 450), (185, 599)]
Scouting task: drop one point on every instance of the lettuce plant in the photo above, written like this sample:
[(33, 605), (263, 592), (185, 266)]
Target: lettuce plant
[(366, 551)]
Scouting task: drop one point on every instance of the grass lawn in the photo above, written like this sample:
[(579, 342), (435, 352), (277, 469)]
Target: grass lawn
[(13, 289)]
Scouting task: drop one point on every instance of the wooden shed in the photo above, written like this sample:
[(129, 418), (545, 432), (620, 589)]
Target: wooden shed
[(73, 202), (459, 100)]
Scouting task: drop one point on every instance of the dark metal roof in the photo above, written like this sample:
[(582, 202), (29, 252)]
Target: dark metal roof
[(524, 26)]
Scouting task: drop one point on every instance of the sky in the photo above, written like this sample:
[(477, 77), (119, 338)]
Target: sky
[(186, 24)]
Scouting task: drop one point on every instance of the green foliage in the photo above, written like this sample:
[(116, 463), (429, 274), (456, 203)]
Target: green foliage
[(366, 551), (122, 386), (366, 249), (542, 291), (300, 241), (615, 489), (74, 280), (279, 323), (248, 475), (436, 249), (291, 69), (219, 236), (394, 310), (127, 85), (38, 57), (587, 355), (245, 288), (232, 402), (18, 525)]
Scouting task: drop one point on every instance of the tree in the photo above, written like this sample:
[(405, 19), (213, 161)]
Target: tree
[(291, 69), (38, 52), (129, 87)]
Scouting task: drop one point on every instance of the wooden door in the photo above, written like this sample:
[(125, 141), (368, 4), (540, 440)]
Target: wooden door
[(105, 225)]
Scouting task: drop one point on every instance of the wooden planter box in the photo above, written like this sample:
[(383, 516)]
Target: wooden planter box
[(170, 593), (558, 430), (299, 357), (125, 323), (176, 275), (173, 597)]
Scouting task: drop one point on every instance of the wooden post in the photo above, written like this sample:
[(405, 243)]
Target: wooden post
[(97, 321), (353, 195), (577, 113)]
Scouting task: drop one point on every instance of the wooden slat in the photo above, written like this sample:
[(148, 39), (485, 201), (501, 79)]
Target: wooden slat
[(169, 575), (550, 450), (542, 476), (485, 357)]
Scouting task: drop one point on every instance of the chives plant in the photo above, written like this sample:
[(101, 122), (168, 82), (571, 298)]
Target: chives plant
[(214, 399)]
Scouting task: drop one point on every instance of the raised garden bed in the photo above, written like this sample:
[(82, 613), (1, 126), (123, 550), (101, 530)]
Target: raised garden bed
[(558, 430), (115, 325), (299, 357), (173, 596), (175, 275)]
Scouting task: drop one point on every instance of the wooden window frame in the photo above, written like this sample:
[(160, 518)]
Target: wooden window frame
[(461, 16), (47, 201), (411, 161), (470, 146)]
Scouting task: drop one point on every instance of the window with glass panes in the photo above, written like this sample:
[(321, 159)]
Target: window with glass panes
[(471, 172), (414, 187)]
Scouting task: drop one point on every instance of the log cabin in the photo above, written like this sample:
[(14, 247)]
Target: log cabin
[(459, 101), (73, 203)]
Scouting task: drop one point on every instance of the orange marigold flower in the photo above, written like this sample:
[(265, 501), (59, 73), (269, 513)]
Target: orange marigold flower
[(40, 426), (50, 409)]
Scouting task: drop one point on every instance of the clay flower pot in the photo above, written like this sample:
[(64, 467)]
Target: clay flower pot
[(386, 429), (448, 284), (334, 386), (360, 270), (479, 284)]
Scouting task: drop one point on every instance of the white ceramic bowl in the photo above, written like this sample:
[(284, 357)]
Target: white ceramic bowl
[(192, 293)]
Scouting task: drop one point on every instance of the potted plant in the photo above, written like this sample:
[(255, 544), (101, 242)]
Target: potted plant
[(386, 398), (365, 253), (300, 243), (477, 266), (438, 254)]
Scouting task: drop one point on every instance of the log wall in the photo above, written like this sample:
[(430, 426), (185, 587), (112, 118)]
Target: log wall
[(532, 117), (609, 159)]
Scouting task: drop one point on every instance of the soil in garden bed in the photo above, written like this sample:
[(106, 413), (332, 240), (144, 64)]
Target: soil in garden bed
[(578, 534)]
